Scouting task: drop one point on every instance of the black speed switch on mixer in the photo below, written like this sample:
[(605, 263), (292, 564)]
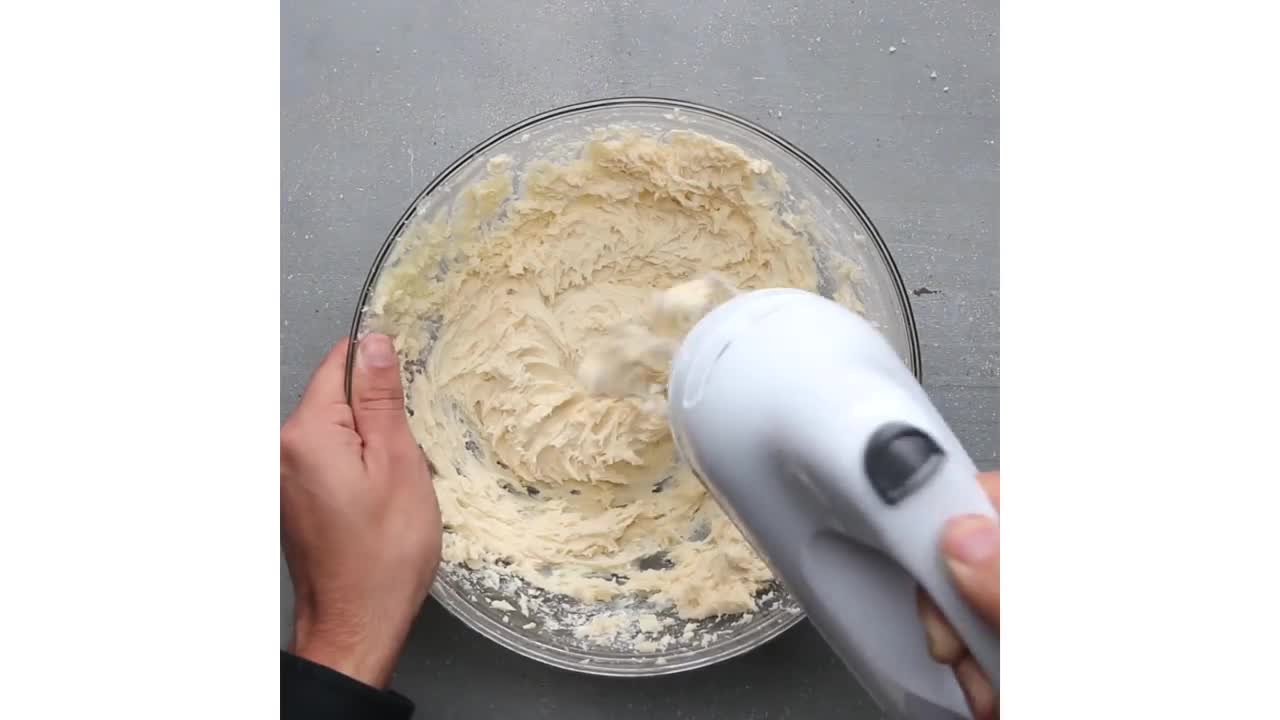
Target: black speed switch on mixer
[(899, 460)]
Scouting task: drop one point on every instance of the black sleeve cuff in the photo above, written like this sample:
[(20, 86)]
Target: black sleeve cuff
[(314, 692)]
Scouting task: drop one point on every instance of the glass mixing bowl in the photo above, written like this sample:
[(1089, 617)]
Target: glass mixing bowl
[(838, 227)]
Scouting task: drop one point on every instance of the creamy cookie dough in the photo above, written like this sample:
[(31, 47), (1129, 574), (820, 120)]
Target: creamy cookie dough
[(547, 467)]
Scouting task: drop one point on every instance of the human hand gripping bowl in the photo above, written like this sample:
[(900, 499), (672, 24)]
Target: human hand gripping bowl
[(574, 533)]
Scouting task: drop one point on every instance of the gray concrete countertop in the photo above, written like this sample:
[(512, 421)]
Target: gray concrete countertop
[(899, 100)]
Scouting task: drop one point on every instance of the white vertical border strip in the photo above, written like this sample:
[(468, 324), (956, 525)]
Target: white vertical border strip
[(1139, 295), (139, 267)]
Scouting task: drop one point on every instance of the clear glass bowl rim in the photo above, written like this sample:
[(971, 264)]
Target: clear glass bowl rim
[(447, 597)]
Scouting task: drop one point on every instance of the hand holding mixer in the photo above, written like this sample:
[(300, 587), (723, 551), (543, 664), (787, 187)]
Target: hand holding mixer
[(828, 455)]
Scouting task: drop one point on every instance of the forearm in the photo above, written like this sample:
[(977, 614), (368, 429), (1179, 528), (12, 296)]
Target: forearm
[(344, 646)]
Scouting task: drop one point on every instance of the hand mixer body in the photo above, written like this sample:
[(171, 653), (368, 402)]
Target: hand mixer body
[(826, 452)]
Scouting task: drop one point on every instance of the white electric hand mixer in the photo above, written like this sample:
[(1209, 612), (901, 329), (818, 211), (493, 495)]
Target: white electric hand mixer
[(826, 452)]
